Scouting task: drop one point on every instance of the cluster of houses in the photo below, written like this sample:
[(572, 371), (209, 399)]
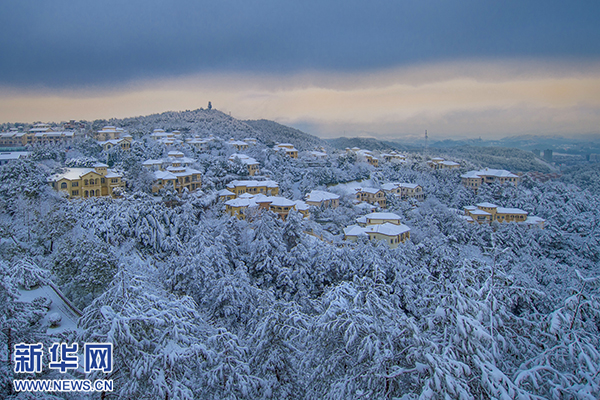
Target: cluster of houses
[(250, 163), (243, 198), (38, 134), (286, 148), (174, 173), (110, 136), (439, 163)]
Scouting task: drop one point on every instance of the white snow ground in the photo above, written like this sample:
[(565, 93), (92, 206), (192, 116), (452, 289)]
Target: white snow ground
[(69, 316)]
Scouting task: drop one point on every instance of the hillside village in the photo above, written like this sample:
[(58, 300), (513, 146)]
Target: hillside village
[(175, 174), (278, 265)]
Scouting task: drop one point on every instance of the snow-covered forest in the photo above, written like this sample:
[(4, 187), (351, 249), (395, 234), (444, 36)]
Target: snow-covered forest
[(201, 305)]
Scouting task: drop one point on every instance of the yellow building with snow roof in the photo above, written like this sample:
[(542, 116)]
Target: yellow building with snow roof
[(177, 178), (268, 188), (246, 204), (320, 198), (379, 226), (486, 213), (393, 157), (286, 148), (371, 196), (440, 163), (238, 144), (251, 164), (98, 181), (474, 179)]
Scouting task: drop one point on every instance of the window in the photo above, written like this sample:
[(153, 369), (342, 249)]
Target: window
[(102, 180), (63, 185), (75, 192), (74, 184)]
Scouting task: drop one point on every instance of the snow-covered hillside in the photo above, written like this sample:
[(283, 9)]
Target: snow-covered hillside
[(200, 304)]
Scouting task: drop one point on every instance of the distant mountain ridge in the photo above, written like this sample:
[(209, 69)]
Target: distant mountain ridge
[(366, 143), (271, 132)]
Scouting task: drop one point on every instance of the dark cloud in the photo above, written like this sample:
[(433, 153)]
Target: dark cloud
[(62, 42)]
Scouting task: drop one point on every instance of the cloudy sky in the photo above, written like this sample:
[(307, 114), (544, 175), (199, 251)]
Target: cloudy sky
[(387, 69)]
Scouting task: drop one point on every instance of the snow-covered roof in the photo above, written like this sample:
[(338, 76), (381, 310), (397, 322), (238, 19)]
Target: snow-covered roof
[(238, 202), (112, 141), (13, 155), (174, 153), (164, 175), (237, 143), (390, 186), (152, 162), (320, 195), (471, 174), (244, 159), (225, 192), (486, 204), (182, 160), (449, 163), (54, 134), (383, 229), (113, 174), (368, 190), (409, 185), (503, 210), (301, 205), (480, 212), (287, 147), (354, 230), (100, 165), (392, 154), (268, 183), (382, 215), (71, 174), (387, 229), (497, 173), (175, 172), (281, 202)]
